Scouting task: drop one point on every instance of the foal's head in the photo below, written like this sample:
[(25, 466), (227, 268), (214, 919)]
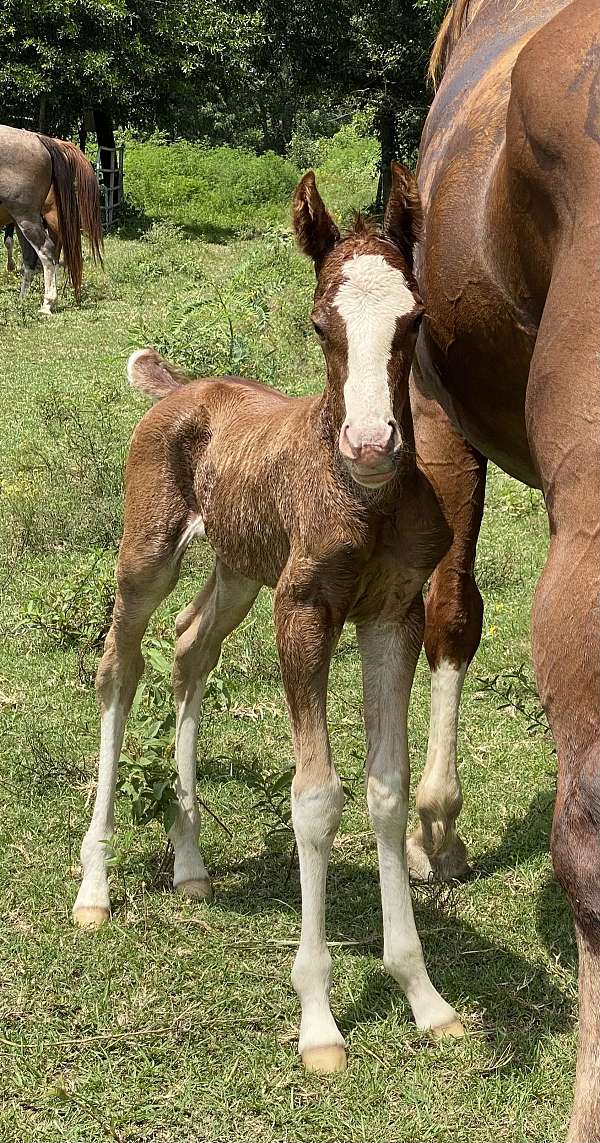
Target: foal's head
[(366, 315)]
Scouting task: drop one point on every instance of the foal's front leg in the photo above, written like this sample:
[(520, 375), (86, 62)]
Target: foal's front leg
[(306, 639), (389, 654)]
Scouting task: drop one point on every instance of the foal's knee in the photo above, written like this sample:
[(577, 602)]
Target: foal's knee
[(387, 799), (575, 843), (316, 810)]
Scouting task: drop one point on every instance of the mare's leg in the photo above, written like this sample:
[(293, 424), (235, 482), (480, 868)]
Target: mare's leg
[(563, 423), (454, 614), (389, 653), (34, 231), (306, 638), (9, 244), (201, 628)]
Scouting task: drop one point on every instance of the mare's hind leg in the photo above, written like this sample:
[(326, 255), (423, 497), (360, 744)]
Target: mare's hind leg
[(143, 581), (34, 231), (454, 614), (201, 628)]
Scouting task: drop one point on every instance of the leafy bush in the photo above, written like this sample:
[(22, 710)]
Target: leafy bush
[(252, 321), (75, 612), (216, 191)]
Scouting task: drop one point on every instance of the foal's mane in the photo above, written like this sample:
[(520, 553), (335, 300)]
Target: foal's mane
[(457, 18)]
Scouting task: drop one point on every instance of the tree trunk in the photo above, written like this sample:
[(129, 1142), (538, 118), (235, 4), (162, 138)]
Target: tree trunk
[(42, 114), (385, 124)]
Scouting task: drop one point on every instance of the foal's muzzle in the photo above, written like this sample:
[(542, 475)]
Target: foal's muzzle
[(369, 451)]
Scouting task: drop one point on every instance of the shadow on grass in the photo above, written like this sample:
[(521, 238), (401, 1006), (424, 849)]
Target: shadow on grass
[(134, 225), (521, 1004), (525, 837)]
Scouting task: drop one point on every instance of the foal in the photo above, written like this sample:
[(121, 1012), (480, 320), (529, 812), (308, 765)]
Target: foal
[(321, 499)]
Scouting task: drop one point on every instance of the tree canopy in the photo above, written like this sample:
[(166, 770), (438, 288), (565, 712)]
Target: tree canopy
[(238, 71)]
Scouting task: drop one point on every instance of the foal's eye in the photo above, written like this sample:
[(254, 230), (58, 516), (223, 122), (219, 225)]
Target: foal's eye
[(319, 330), (418, 318)]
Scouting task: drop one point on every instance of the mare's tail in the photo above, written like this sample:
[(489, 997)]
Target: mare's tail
[(152, 375), (77, 205)]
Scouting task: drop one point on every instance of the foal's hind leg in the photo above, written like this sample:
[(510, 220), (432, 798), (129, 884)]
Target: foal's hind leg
[(454, 614), (201, 628), (34, 231), (141, 587)]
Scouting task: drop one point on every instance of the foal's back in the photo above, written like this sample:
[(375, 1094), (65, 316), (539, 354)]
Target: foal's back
[(253, 464)]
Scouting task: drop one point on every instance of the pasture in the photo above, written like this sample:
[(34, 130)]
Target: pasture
[(178, 1021)]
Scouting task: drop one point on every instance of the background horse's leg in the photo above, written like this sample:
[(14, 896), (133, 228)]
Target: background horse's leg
[(563, 423), (201, 628), (454, 614), (389, 653), (9, 243), (30, 263), (34, 231), (305, 640)]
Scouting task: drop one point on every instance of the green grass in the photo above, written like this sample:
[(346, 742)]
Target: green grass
[(178, 1022)]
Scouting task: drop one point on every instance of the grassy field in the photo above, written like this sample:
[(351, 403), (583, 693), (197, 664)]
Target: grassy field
[(178, 1022)]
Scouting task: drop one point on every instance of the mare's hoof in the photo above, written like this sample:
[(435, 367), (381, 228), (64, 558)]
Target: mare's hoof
[(197, 890), (331, 1059), (454, 1029), (90, 917)]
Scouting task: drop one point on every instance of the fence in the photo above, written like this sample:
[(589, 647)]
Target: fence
[(109, 169)]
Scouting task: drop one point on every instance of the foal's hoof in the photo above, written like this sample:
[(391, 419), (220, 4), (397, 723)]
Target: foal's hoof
[(454, 1029), (448, 865), (197, 890), (331, 1059), (90, 917)]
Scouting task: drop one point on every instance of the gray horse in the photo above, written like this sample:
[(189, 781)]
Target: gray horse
[(32, 167)]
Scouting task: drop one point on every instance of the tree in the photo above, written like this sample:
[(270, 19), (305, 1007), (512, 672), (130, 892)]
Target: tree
[(236, 71)]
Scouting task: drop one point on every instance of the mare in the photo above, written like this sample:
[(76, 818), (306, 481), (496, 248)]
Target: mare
[(320, 498), (32, 167), (507, 368)]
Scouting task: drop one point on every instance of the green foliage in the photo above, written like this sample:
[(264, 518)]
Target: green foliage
[(215, 191), (75, 611)]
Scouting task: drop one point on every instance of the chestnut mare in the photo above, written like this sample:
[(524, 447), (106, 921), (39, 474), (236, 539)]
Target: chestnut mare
[(321, 499), (507, 368), (32, 167)]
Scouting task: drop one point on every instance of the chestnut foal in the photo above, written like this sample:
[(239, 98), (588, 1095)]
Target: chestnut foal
[(321, 499)]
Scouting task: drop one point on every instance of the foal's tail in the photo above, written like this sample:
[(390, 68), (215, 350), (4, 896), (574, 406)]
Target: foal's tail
[(77, 205), (152, 375)]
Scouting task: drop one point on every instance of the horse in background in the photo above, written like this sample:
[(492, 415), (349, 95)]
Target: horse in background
[(30, 261), (50, 191), (506, 369)]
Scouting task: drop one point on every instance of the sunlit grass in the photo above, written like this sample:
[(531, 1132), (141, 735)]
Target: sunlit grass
[(178, 1022)]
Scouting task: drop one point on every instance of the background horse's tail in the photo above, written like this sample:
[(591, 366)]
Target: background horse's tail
[(77, 205), (88, 194)]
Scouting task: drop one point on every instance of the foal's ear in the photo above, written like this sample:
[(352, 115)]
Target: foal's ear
[(403, 219), (316, 232)]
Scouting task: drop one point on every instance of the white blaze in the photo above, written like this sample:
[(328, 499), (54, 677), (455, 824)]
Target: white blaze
[(371, 298)]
